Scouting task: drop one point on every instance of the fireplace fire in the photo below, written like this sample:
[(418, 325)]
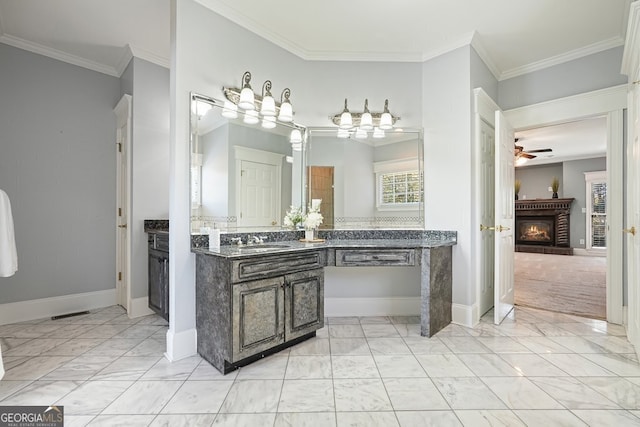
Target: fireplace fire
[(536, 231)]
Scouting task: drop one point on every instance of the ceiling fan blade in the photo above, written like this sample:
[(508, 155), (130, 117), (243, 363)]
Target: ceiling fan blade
[(527, 155), (542, 150)]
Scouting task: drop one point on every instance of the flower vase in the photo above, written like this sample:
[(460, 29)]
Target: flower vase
[(309, 234)]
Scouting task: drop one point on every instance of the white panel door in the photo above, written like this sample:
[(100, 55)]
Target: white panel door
[(504, 219), (258, 188), (486, 176), (633, 217)]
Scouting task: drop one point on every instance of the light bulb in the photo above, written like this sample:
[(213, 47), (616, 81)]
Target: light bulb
[(296, 136), (230, 110), (268, 122), (343, 133), (361, 133), (251, 117), (378, 133)]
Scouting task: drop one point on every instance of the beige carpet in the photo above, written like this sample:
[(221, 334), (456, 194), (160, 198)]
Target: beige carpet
[(566, 284)]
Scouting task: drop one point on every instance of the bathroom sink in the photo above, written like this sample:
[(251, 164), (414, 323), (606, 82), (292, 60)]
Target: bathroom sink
[(262, 247)]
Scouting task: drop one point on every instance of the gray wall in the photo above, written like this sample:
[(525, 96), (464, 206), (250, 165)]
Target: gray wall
[(598, 71), (150, 161), (57, 164), (536, 180), (574, 186)]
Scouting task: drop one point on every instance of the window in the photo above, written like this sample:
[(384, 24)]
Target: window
[(596, 184), (398, 185)]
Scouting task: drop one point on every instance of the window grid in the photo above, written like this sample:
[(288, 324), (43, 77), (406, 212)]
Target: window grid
[(400, 188)]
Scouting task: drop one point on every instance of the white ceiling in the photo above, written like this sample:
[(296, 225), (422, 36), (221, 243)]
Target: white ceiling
[(512, 36), (569, 141)]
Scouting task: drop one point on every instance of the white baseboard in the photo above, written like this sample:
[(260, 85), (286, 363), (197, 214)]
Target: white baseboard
[(345, 307), (586, 252), (139, 307), (181, 345), (23, 311), (465, 315)]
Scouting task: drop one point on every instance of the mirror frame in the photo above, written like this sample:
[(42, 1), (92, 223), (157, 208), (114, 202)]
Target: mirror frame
[(217, 103)]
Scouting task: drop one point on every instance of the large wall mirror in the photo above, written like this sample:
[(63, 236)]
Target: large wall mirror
[(244, 177), (366, 181)]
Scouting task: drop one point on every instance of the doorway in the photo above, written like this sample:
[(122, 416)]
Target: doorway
[(606, 102), (320, 179), (570, 277)]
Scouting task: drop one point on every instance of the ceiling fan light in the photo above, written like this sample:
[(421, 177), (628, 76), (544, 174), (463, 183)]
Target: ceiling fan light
[(520, 160), (230, 110), (251, 117)]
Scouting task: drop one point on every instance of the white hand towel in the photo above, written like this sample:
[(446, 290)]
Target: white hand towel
[(8, 253)]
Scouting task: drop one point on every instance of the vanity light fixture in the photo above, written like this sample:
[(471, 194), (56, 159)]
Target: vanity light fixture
[(251, 117), (365, 120), (361, 133), (378, 133), (268, 108), (286, 111), (296, 136), (247, 97), (343, 133), (269, 122), (265, 105), (230, 110)]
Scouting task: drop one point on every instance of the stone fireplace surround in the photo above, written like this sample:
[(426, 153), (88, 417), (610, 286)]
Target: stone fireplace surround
[(560, 210)]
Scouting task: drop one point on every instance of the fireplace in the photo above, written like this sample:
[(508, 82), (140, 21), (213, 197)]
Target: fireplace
[(542, 226), (532, 230)]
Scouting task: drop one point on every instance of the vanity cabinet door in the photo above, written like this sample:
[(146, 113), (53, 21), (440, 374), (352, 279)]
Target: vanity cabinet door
[(304, 298), (159, 282), (258, 316)]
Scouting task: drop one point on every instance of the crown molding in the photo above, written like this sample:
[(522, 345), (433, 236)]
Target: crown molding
[(562, 58), (149, 56), (125, 58), (57, 54), (632, 43), (480, 49)]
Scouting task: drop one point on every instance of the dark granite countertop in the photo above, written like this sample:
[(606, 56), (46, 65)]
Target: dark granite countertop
[(234, 251)]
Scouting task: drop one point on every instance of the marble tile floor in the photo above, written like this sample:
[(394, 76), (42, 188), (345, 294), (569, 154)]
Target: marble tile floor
[(537, 368)]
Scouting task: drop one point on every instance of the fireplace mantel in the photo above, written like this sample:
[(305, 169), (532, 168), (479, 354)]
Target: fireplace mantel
[(535, 204), (560, 210)]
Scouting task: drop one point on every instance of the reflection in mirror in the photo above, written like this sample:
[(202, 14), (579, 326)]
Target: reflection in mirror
[(244, 177), (366, 182)]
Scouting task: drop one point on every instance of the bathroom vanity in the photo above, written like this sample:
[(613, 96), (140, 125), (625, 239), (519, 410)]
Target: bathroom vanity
[(254, 300)]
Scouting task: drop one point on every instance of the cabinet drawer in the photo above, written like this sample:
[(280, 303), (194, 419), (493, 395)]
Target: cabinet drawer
[(274, 265), (375, 257), (159, 241)]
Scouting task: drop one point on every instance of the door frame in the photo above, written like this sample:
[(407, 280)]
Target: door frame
[(609, 102), (123, 112)]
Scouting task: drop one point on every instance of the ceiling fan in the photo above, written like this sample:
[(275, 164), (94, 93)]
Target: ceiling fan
[(522, 155)]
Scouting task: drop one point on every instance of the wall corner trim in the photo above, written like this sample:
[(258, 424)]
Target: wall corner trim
[(181, 345), (23, 311), (464, 315), (139, 307)]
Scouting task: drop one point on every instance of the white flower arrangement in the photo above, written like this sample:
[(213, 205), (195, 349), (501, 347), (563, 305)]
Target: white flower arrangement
[(293, 217), (313, 219)]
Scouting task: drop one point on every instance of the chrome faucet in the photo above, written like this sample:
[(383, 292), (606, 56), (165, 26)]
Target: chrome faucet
[(237, 240)]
